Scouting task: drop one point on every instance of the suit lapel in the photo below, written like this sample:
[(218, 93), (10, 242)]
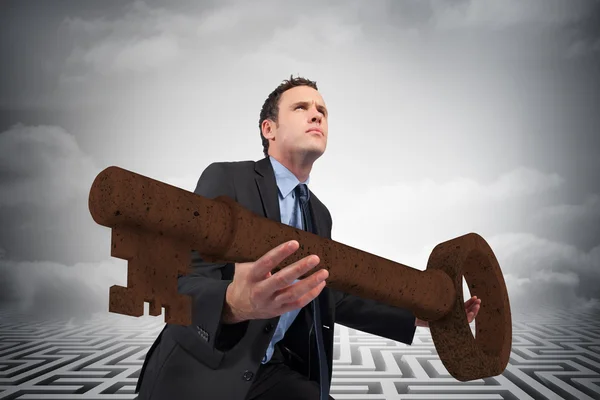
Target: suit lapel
[(267, 188), (318, 220)]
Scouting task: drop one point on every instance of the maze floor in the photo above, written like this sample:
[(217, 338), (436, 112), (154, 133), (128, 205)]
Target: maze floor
[(555, 355)]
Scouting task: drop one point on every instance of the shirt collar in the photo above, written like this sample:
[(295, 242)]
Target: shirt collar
[(286, 180)]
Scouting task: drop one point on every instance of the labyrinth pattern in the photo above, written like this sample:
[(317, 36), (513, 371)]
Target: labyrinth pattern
[(555, 355)]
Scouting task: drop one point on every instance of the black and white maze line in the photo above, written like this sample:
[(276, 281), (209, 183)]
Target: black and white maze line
[(555, 355)]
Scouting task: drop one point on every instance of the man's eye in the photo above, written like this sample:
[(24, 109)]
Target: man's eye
[(297, 107)]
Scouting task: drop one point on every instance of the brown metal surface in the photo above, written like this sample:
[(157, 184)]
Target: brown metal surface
[(464, 356), (155, 225)]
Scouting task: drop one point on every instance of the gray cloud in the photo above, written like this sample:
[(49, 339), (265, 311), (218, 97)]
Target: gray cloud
[(44, 186), (570, 213), (47, 229), (490, 14), (540, 272), (74, 43), (438, 208), (51, 290), (577, 223), (584, 47), (148, 37), (42, 166)]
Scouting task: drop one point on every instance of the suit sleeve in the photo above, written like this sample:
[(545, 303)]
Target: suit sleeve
[(205, 283), (373, 317)]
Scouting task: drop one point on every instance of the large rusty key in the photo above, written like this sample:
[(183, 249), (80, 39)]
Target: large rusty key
[(155, 226)]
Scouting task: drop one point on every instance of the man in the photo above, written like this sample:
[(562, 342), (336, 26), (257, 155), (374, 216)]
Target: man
[(253, 333)]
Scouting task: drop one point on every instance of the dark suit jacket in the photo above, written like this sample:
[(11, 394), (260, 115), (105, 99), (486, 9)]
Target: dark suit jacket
[(210, 360)]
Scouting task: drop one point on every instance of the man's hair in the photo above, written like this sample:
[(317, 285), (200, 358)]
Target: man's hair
[(270, 108)]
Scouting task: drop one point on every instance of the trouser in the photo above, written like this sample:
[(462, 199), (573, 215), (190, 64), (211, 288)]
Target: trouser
[(276, 381)]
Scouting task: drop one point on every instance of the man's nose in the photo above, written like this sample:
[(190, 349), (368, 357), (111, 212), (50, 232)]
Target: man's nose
[(316, 116)]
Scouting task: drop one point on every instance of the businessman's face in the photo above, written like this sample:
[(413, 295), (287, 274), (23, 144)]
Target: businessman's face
[(301, 128)]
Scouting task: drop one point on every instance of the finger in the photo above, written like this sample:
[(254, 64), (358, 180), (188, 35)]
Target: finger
[(473, 307), (306, 298), (271, 259), (471, 301), (296, 291), (286, 276)]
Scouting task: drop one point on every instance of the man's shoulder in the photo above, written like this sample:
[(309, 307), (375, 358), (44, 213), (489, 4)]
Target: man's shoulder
[(319, 203), (233, 166), (222, 177)]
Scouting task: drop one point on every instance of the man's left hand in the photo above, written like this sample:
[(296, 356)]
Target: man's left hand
[(471, 308)]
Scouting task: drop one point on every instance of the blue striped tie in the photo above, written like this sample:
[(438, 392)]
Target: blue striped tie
[(303, 196)]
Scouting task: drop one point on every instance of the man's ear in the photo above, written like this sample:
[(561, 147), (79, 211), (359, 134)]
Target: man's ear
[(267, 128)]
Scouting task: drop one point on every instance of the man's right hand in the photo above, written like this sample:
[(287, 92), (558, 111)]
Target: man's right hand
[(255, 293)]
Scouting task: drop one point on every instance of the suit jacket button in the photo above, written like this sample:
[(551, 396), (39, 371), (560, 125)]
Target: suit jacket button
[(203, 334), (268, 328), (248, 375)]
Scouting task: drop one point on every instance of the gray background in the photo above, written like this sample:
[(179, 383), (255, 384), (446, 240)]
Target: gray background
[(447, 117)]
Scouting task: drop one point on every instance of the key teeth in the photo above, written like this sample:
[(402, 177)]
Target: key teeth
[(124, 300), (142, 270), (155, 308)]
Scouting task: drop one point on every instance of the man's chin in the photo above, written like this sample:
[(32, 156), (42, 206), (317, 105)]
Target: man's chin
[(317, 149), (316, 154), (311, 152)]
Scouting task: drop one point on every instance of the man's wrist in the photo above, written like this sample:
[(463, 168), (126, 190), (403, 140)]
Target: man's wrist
[(230, 315)]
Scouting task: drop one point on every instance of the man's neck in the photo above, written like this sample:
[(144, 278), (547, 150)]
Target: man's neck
[(301, 170)]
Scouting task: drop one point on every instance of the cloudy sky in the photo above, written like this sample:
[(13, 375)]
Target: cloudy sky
[(446, 117)]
